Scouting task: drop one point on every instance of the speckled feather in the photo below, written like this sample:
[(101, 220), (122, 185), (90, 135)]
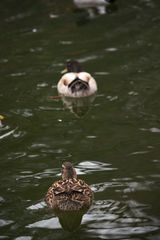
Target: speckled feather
[(69, 194)]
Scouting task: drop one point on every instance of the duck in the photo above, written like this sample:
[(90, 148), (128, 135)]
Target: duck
[(69, 193), (75, 82), (91, 5)]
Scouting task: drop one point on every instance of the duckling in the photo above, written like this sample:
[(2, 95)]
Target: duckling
[(90, 5), (70, 193), (75, 82)]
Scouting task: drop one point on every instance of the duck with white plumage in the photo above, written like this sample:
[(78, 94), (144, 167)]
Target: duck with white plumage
[(75, 82), (91, 5)]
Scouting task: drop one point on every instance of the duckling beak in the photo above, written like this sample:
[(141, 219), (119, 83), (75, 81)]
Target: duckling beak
[(64, 71)]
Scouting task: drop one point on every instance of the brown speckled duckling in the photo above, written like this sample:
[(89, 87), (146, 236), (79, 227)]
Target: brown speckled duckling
[(70, 193)]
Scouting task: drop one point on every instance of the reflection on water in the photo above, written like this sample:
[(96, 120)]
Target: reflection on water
[(108, 219), (118, 220), (71, 220), (78, 106)]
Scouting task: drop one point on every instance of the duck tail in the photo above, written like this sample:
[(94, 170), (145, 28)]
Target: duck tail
[(78, 85)]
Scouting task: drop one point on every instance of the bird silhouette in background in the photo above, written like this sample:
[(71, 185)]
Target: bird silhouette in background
[(91, 5)]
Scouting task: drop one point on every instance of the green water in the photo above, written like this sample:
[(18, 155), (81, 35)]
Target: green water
[(115, 145)]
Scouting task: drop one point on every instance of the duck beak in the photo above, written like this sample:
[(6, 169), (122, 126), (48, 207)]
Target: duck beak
[(64, 71)]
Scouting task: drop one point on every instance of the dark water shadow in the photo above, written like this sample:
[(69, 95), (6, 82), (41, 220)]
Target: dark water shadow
[(70, 220), (78, 106)]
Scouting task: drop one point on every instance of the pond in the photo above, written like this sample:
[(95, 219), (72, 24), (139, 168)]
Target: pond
[(113, 141)]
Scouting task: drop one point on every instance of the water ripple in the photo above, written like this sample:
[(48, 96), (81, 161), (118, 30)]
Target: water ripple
[(18, 16), (88, 58), (42, 85), (138, 152), (93, 166), (53, 16), (51, 223), (152, 130), (17, 155), (37, 206), (1, 200), (101, 73), (5, 222), (26, 112), (66, 42), (8, 133), (23, 238), (29, 175), (111, 49), (47, 108), (18, 74), (109, 219), (123, 185), (124, 231)]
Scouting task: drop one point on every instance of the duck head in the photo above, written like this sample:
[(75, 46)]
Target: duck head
[(72, 66), (68, 171)]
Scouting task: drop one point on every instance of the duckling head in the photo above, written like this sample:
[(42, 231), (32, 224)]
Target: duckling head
[(68, 171)]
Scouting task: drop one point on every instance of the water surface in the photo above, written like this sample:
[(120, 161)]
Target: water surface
[(114, 145)]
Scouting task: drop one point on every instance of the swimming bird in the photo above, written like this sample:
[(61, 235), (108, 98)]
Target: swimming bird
[(75, 82), (90, 5), (70, 193)]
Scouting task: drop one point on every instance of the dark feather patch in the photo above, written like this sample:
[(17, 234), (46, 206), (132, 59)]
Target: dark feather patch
[(78, 85)]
